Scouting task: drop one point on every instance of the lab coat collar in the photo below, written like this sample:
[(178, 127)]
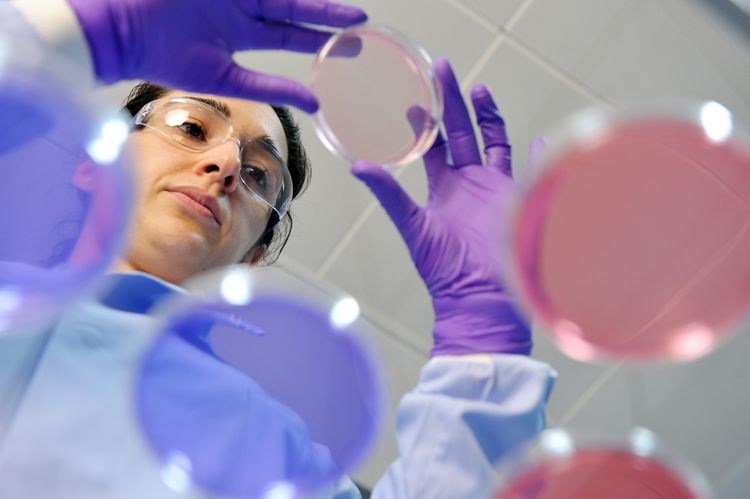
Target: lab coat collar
[(135, 292)]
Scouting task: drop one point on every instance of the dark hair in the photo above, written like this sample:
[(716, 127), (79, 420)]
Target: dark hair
[(276, 234)]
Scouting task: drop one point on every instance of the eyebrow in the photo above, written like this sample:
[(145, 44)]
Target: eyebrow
[(218, 105), (270, 145)]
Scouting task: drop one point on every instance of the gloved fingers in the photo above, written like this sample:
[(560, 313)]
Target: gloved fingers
[(236, 81), (494, 136), (396, 202), (435, 159), (284, 36), (320, 12), (458, 124), (536, 149)]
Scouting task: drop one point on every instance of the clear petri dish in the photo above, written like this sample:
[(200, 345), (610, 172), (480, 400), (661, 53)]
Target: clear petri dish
[(379, 99), (630, 241), (65, 195), (564, 465), (258, 385)]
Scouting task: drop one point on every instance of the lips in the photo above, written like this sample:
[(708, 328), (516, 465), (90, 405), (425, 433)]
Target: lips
[(201, 197)]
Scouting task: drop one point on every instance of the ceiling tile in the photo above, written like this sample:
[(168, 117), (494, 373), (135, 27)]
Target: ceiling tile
[(375, 267), (577, 33), (609, 412), (530, 99), (737, 486), (638, 51), (497, 12), (700, 408), (574, 378), (441, 28)]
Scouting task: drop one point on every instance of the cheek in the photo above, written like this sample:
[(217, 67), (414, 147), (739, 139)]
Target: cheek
[(152, 170), (149, 163), (250, 222)]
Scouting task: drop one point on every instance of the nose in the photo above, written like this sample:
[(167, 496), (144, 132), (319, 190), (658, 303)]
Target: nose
[(222, 162)]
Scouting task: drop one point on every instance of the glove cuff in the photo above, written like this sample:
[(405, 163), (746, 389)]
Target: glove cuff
[(475, 323), (101, 30)]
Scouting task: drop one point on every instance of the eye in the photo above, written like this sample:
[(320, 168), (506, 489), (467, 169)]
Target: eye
[(255, 177), (193, 130)]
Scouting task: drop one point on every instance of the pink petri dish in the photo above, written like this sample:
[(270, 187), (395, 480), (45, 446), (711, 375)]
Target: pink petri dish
[(379, 99), (562, 466), (631, 243)]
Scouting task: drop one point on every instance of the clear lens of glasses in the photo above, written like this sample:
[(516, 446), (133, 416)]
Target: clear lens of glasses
[(198, 127)]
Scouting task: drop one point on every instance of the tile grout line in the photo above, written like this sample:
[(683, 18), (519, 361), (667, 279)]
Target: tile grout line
[(346, 239), (482, 61), (393, 330), (560, 74), (503, 34), (356, 226), (587, 395), (390, 328), (734, 471), (497, 40), (517, 15), (473, 14)]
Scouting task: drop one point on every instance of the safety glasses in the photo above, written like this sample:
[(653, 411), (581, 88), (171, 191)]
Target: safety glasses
[(196, 126)]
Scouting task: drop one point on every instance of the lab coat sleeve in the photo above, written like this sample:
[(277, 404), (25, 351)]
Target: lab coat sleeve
[(465, 414), (53, 24)]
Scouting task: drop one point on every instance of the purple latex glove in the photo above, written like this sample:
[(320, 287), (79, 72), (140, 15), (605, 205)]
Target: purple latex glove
[(455, 240), (188, 44)]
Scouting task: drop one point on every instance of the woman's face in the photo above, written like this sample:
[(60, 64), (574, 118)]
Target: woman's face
[(191, 211)]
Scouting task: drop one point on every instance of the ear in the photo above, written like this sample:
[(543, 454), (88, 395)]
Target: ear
[(85, 175), (255, 254)]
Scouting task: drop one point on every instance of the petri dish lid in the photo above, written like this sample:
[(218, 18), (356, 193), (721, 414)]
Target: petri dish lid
[(65, 195), (562, 464), (630, 241), (379, 99), (262, 371)]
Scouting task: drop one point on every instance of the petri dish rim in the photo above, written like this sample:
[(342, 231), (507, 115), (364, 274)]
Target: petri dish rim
[(558, 443), (26, 70), (421, 63), (205, 292), (582, 125)]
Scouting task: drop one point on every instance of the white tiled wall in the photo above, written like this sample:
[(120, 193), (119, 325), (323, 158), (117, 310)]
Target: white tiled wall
[(543, 59), (498, 13)]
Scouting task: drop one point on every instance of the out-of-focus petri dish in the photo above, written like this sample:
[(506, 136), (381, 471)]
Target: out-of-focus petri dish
[(379, 98), (65, 193), (257, 386), (562, 465), (631, 240)]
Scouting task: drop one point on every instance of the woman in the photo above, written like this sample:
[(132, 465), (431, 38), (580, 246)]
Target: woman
[(241, 160), (203, 206)]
